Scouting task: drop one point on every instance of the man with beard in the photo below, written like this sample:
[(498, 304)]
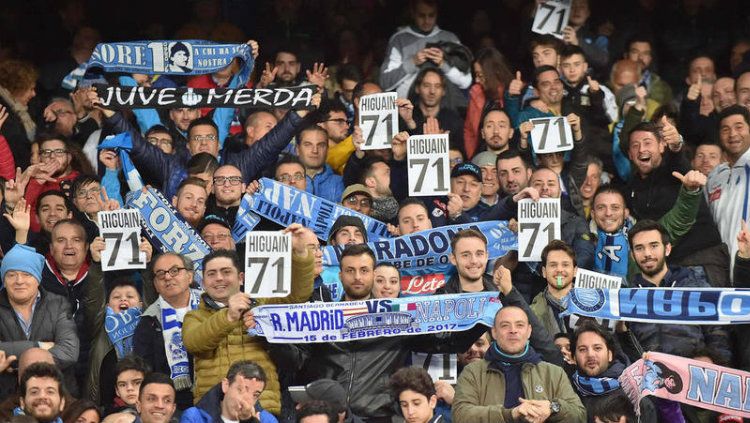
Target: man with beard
[(639, 49), (656, 151), (190, 200), (347, 230), (288, 68), (513, 172), (377, 178), (597, 369), (559, 267), (334, 123), (42, 394), (650, 246), (430, 89), (496, 131)]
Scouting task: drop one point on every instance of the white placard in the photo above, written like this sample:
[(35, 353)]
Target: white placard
[(551, 17), (428, 164), (538, 225), (551, 134), (441, 367), (378, 118), (588, 279), (268, 264), (121, 230)]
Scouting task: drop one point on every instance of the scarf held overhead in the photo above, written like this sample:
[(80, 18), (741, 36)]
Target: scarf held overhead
[(356, 320), (680, 306), (171, 57), (687, 381), (114, 97), (285, 205)]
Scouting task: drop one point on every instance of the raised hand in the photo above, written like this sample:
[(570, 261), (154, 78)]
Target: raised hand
[(503, 279), (97, 246), (670, 135), (431, 126), (20, 219), (455, 205), (743, 241), (255, 47), (6, 361), (528, 192), (695, 89), (692, 181), (593, 84), (398, 145), (147, 248), (524, 131), (109, 159), (299, 244), (575, 125), (570, 36), (268, 75), (318, 75), (516, 85), (406, 112), (15, 188)]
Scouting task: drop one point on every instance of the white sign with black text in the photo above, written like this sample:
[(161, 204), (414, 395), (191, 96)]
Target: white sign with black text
[(588, 279), (268, 264), (551, 17), (121, 230), (441, 366), (538, 225), (428, 164), (551, 134), (378, 118)]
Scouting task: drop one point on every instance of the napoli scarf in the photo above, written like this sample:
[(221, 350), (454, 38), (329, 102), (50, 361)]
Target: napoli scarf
[(604, 384), (510, 367), (120, 328), (177, 357), (612, 251)]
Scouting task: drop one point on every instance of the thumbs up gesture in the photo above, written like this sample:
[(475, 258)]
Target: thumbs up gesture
[(695, 90), (670, 135), (516, 85), (692, 181)]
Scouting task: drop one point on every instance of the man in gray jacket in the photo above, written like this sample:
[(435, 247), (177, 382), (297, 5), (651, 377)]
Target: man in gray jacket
[(31, 317)]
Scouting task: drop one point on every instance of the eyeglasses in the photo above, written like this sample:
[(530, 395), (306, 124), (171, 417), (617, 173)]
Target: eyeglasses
[(84, 193), (286, 178), (233, 180), (173, 272), (353, 201), (161, 142), (59, 152), (340, 121), (215, 237), (202, 138)]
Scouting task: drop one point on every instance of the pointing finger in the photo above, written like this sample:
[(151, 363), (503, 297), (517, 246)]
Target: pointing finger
[(679, 176)]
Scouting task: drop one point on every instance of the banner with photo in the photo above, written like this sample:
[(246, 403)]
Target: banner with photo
[(690, 382)]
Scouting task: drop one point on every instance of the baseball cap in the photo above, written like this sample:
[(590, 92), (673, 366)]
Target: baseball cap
[(485, 158), (467, 168), (212, 218), (355, 189)]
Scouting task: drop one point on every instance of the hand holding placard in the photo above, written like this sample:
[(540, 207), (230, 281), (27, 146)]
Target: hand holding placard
[(268, 264), (538, 224), (378, 118)]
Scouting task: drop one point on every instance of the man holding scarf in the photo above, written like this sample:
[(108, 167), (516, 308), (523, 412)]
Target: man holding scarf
[(597, 369), (158, 336), (512, 382)]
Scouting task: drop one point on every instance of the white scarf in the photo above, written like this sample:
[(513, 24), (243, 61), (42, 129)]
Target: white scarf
[(177, 356)]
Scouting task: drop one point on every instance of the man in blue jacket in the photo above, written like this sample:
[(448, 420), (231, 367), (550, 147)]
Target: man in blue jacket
[(312, 147)]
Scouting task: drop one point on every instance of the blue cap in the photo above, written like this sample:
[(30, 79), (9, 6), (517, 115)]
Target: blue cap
[(25, 259), (467, 168)]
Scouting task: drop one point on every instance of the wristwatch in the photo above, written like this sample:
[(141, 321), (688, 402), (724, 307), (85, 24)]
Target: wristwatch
[(554, 406)]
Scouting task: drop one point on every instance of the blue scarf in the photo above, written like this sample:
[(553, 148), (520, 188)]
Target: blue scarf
[(123, 143), (510, 367), (177, 356), (120, 328), (18, 411), (612, 251), (604, 384)]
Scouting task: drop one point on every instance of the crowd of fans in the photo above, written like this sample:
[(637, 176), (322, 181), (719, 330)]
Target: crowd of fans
[(655, 191)]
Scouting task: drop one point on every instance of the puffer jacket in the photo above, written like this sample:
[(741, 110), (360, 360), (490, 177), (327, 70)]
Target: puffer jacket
[(216, 343), (326, 184), (51, 322), (679, 339), (480, 393)]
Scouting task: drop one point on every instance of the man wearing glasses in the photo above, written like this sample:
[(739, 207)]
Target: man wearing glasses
[(335, 124), (358, 198), (227, 193), (172, 275), (55, 168)]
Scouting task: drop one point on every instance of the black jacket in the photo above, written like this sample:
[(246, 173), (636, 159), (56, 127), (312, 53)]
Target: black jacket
[(652, 197)]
